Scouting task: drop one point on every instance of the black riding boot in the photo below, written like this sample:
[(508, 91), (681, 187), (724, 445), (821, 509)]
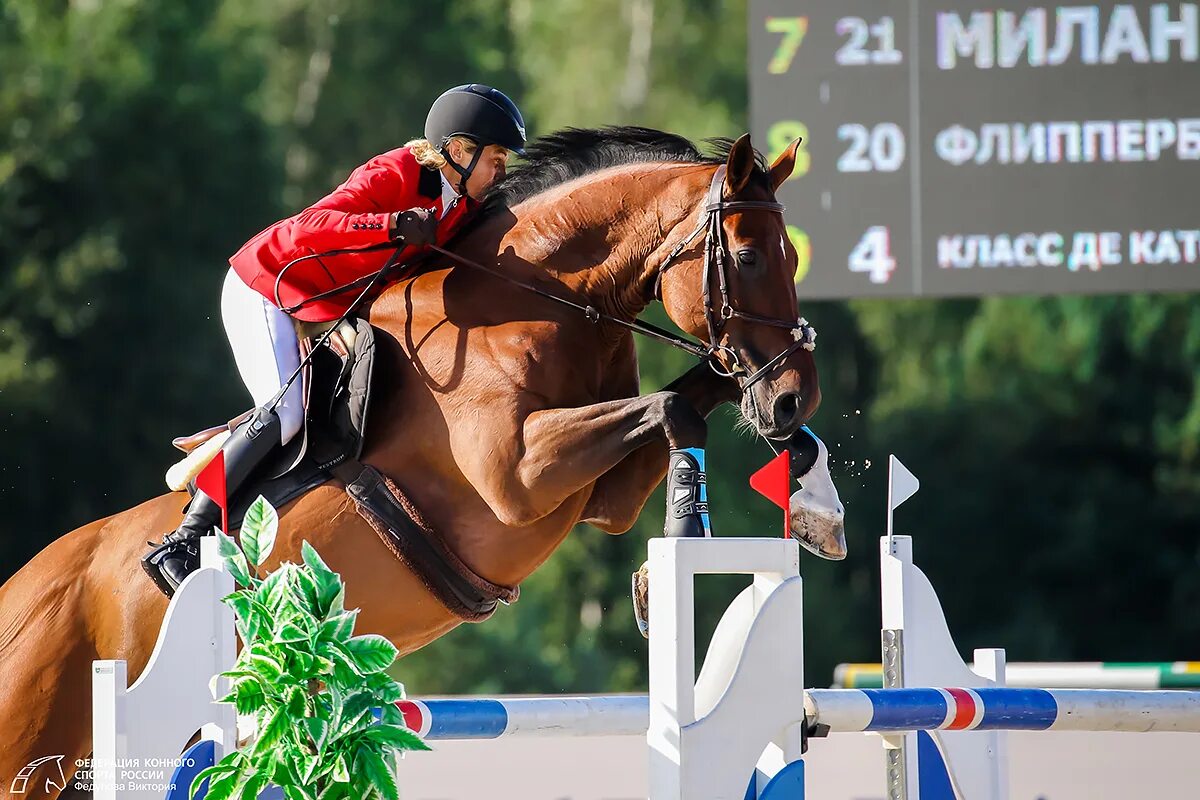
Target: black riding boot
[(179, 554)]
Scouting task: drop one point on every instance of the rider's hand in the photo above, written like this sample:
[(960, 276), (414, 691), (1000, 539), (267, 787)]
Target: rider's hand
[(417, 226)]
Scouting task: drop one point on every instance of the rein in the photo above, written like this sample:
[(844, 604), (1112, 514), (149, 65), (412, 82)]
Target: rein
[(592, 313), (715, 253)]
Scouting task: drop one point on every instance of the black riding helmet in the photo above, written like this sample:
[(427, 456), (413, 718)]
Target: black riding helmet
[(480, 113)]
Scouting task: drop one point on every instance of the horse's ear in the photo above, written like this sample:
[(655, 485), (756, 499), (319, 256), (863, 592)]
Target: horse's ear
[(783, 166), (740, 165)]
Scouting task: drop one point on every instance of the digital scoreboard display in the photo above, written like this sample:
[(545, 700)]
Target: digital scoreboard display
[(958, 149)]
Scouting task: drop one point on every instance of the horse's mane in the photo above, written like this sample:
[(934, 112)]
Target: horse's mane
[(570, 153)]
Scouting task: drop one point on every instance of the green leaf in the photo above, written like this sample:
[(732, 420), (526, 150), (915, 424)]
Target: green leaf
[(339, 627), (302, 666), (266, 665), (223, 788), (308, 765), (296, 701), (227, 546), (396, 737), (240, 571), (247, 620), (335, 790), (317, 730), (273, 733), (376, 771), (273, 587), (245, 692), (355, 714), (259, 527), (225, 766), (305, 587), (235, 560), (338, 604), (329, 583), (291, 633), (254, 786), (371, 652), (283, 773), (341, 769), (313, 559), (386, 690), (345, 671), (296, 792)]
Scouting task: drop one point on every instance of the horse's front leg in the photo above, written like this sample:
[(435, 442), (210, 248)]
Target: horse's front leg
[(554, 453), (620, 493)]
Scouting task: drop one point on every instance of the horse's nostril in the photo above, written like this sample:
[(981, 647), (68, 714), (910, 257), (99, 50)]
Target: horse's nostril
[(787, 405)]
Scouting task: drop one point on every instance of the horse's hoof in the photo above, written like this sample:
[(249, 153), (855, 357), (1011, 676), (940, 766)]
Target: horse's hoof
[(641, 600), (816, 514)]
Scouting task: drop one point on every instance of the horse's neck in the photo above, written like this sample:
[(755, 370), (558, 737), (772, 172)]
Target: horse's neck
[(595, 240)]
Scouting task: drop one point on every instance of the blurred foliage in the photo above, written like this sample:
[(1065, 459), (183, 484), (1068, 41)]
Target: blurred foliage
[(142, 142)]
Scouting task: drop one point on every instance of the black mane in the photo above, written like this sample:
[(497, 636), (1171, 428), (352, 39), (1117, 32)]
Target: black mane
[(570, 153)]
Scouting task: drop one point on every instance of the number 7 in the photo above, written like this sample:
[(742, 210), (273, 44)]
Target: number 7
[(793, 30)]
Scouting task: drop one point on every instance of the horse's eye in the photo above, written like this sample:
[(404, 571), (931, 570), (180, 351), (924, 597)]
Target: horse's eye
[(747, 257)]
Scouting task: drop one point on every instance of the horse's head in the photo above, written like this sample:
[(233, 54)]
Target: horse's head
[(737, 291)]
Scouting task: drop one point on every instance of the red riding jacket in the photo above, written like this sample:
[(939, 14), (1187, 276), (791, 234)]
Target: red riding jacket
[(353, 215)]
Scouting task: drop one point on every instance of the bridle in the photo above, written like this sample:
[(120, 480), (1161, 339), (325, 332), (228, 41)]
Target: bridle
[(716, 253)]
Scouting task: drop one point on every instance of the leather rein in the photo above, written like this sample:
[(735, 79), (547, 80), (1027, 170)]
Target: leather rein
[(715, 256)]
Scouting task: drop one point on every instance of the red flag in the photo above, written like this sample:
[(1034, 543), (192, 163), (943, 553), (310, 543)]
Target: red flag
[(211, 481), (773, 482)]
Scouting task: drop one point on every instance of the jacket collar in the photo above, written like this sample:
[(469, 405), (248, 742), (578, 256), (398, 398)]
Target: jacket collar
[(430, 183)]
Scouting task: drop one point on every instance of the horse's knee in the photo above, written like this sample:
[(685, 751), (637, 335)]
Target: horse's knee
[(610, 520), (683, 424), (514, 509)]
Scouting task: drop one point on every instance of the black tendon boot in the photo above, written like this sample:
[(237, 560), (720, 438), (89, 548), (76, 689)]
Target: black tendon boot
[(687, 495), (179, 554)]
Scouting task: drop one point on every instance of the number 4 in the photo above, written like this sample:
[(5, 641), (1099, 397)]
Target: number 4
[(873, 255), (793, 30)]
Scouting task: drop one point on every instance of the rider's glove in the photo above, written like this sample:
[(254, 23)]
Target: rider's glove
[(417, 226)]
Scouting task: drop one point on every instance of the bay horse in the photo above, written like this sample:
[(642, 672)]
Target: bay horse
[(506, 418)]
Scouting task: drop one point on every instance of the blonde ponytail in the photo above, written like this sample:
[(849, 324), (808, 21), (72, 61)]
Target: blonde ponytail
[(427, 154)]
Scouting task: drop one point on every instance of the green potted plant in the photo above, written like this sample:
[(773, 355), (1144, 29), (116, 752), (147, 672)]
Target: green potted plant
[(324, 706)]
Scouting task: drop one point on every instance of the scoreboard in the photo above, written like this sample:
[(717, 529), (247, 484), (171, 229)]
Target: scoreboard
[(956, 148)]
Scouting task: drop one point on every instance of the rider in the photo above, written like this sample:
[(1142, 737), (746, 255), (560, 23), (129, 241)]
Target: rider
[(416, 195)]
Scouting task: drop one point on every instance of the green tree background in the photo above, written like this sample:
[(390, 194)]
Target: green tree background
[(142, 142)]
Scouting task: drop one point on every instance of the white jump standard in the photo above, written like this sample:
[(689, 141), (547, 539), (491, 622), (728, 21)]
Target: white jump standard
[(735, 733)]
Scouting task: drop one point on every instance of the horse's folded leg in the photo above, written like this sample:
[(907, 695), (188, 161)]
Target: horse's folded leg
[(641, 599)]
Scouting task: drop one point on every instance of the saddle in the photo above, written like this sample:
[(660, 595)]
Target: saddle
[(337, 392)]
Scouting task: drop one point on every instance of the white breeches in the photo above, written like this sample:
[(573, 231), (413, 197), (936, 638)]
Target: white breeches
[(265, 348)]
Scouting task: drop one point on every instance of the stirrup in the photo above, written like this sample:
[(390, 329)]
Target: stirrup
[(184, 547)]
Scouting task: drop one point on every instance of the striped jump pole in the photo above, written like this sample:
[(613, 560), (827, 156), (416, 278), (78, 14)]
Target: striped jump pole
[(1003, 709), (483, 718), (842, 710), (1057, 675)]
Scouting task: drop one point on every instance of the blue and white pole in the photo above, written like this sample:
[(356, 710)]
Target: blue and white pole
[(890, 710), (481, 718), (843, 710)]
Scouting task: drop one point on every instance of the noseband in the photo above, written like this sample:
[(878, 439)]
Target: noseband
[(717, 257)]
